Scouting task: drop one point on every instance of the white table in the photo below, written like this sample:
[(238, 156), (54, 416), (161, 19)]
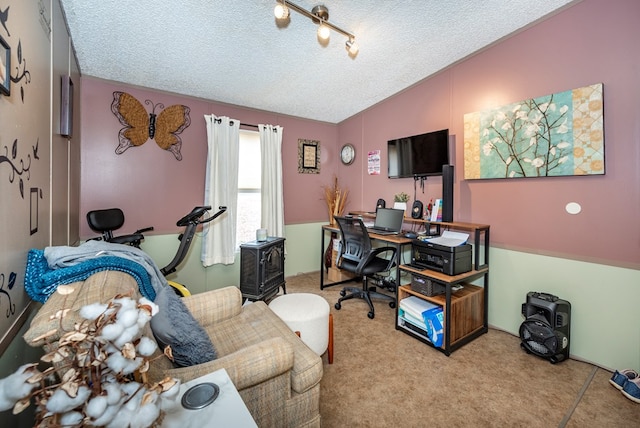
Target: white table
[(228, 410)]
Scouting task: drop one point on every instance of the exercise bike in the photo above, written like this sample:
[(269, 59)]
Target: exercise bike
[(105, 221)]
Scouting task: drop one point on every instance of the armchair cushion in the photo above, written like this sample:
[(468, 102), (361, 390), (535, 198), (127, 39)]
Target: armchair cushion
[(175, 326)]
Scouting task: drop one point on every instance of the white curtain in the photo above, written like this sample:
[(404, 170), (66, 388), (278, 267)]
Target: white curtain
[(221, 189), (272, 213)]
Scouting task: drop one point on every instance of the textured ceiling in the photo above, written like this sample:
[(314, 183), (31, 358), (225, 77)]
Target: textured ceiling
[(236, 52)]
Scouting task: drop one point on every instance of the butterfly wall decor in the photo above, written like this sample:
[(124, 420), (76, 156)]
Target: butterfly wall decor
[(141, 126)]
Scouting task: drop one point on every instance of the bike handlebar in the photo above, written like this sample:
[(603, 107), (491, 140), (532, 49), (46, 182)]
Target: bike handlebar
[(194, 216)]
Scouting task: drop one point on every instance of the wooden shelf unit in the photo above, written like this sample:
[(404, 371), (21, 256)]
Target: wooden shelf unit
[(465, 312)]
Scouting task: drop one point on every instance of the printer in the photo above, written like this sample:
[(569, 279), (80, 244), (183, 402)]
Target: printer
[(441, 258)]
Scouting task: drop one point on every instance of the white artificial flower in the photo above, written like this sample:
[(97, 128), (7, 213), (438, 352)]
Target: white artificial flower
[(125, 303), (127, 317), (128, 335), (146, 347), (93, 311), (145, 416), (114, 392), (71, 418), (60, 402), (96, 406), (15, 386), (146, 302), (121, 419), (111, 332), (107, 416)]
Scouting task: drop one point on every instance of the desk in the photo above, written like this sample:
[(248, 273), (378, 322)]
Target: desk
[(228, 410), (396, 241)]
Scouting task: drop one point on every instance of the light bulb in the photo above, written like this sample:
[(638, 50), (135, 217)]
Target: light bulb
[(352, 47), (281, 11), (324, 32)]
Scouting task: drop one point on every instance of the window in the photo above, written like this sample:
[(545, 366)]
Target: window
[(249, 184)]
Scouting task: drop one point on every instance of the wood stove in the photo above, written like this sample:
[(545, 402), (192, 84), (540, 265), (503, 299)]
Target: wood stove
[(262, 268)]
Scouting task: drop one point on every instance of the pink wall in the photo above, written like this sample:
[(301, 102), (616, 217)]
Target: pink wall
[(591, 42), (588, 43), (154, 189)]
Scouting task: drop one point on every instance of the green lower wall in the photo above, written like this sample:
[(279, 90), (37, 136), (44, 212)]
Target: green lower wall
[(605, 318), (605, 324)]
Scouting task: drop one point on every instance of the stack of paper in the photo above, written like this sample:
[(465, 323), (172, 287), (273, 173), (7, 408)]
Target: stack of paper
[(425, 315), (450, 239), (415, 306)]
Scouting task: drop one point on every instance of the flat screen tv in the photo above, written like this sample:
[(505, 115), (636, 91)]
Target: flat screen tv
[(418, 156)]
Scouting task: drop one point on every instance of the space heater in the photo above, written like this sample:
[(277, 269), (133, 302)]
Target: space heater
[(546, 329)]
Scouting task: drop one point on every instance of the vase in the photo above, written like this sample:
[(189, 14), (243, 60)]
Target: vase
[(328, 254), (400, 206)]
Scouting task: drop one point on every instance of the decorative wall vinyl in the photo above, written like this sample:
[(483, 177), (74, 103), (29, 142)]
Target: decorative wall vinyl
[(21, 71), (555, 135), (21, 67), (5, 296), (18, 167), (24, 165), (140, 126)]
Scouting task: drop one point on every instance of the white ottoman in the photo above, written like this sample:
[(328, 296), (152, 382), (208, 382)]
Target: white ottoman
[(308, 315)]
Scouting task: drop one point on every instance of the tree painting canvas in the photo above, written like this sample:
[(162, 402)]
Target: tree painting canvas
[(554, 135)]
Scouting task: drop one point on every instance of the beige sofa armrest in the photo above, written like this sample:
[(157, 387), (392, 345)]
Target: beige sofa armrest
[(215, 305), (250, 366)]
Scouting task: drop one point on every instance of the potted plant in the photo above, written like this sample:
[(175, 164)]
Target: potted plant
[(400, 201)]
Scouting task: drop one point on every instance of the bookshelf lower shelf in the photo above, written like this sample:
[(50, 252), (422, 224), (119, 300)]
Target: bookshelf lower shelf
[(465, 313)]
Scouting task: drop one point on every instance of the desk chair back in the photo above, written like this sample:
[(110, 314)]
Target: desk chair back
[(356, 253)]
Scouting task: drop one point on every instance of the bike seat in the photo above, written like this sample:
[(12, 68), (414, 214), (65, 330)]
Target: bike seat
[(107, 220)]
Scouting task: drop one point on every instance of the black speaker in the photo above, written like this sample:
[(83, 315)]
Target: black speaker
[(381, 203), (447, 193), (416, 211), (546, 329)]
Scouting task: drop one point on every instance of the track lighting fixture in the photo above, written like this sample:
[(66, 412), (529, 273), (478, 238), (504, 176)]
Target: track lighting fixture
[(352, 47), (320, 15), (281, 11)]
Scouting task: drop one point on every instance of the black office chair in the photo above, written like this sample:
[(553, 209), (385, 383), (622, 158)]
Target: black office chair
[(356, 255), (106, 221)]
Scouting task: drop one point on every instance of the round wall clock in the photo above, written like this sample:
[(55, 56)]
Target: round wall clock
[(347, 154)]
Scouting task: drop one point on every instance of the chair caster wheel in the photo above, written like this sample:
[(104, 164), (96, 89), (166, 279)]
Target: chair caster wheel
[(371, 315), (337, 306), (343, 293), (392, 305)]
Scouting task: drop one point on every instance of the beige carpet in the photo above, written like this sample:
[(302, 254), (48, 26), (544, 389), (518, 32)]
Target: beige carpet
[(381, 377)]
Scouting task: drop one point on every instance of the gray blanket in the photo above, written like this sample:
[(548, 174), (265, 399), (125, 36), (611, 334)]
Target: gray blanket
[(63, 256)]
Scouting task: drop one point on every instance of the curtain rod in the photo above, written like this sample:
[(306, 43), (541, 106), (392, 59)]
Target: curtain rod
[(241, 124)]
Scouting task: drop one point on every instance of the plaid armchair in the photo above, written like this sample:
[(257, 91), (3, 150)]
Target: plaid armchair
[(276, 374)]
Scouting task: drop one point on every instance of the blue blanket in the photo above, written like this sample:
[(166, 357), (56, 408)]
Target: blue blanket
[(41, 281)]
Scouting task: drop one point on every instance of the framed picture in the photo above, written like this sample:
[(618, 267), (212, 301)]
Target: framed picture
[(66, 106), (308, 157), (5, 67), (560, 134)]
